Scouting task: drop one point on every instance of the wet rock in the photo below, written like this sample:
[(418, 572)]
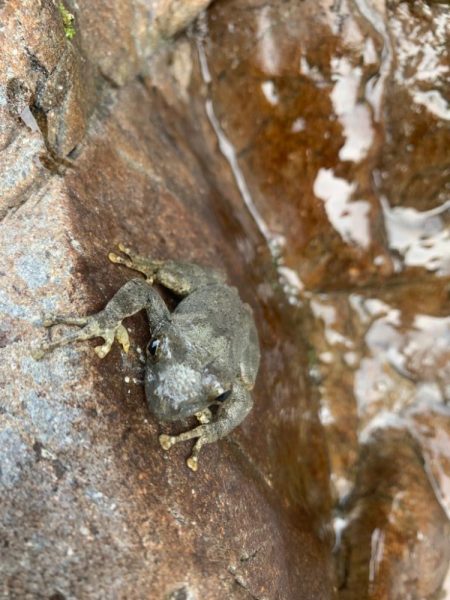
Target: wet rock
[(139, 27), (333, 120), (54, 83), (396, 539), (413, 168), (287, 92), (431, 429), (382, 357), (321, 99), (44, 98), (301, 147), (172, 16), (91, 506)]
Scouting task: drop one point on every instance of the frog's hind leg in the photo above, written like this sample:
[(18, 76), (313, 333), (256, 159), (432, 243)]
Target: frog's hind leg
[(180, 277), (231, 413)]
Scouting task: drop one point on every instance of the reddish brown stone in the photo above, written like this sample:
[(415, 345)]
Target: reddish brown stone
[(396, 539), (91, 506)]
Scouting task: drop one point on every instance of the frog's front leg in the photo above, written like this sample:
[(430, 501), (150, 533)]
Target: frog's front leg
[(134, 296), (230, 414)]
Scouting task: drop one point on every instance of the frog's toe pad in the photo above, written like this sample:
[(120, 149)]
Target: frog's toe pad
[(119, 260), (102, 351), (167, 441), (113, 257), (124, 249), (49, 321), (192, 463), (122, 337)]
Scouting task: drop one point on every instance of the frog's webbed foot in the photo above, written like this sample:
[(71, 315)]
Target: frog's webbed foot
[(132, 297), (91, 327), (201, 432), (144, 265), (167, 441), (232, 412), (204, 416)]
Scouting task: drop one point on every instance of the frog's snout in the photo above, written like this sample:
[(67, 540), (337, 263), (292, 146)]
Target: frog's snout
[(174, 392)]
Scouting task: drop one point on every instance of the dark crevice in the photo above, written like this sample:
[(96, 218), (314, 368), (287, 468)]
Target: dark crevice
[(36, 64)]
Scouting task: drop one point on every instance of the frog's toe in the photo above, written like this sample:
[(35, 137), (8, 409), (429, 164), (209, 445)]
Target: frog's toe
[(130, 260), (122, 337), (125, 250), (120, 260), (192, 463), (91, 327), (167, 441), (119, 333), (51, 320), (130, 255), (102, 350), (38, 352), (204, 416)]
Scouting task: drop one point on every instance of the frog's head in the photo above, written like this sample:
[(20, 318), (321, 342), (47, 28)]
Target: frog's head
[(176, 385)]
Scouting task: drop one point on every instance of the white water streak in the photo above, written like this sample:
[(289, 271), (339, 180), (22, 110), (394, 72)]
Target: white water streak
[(375, 86)]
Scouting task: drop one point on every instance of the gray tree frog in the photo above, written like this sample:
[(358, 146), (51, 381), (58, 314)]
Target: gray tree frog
[(204, 355)]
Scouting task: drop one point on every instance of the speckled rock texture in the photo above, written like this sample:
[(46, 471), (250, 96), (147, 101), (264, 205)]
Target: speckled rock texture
[(91, 507), (302, 147)]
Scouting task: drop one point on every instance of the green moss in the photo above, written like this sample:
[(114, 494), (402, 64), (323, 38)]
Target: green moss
[(67, 19)]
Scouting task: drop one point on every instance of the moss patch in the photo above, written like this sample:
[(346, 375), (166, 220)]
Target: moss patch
[(68, 20)]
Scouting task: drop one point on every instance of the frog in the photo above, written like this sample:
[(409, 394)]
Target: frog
[(203, 356)]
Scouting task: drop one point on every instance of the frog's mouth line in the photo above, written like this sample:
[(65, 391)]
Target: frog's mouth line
[(164, 409)]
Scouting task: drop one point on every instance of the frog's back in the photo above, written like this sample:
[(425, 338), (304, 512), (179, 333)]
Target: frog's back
[(212, 300), (215, 316)]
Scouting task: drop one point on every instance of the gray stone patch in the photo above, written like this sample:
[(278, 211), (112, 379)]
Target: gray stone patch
[(49, 305), (13, 456), (105, 504), (59, 370), (53, 420), (12, 309), (16, 172), (34, 270)]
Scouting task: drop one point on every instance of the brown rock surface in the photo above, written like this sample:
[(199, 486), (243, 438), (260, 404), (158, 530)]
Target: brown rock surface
[(53, 82), (334, 119), (300, 146), (90, 505), (396, 543)]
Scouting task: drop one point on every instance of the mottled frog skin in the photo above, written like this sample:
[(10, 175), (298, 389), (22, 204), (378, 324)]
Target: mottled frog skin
[(204, 355)]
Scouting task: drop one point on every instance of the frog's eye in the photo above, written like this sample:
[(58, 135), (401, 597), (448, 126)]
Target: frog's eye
[(154, 347), (223, 396)]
